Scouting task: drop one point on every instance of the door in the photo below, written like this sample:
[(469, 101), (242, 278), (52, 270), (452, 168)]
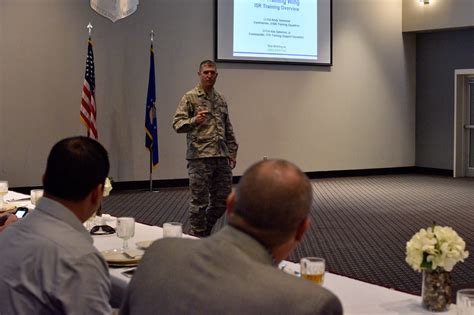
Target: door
[(469, 130)]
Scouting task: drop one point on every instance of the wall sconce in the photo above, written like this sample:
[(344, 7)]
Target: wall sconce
[(425, 1)]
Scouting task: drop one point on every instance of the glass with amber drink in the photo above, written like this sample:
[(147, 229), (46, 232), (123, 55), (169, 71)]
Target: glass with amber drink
[(313, 268)]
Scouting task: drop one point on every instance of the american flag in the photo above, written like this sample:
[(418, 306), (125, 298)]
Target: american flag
[(88, 108)]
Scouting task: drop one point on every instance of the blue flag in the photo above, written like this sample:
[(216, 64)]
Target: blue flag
[(151, 126)]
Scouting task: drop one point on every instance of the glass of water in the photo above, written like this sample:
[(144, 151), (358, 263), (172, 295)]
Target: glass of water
[(35, 195), (465, 302), (125, 230), (172, 229), (3, 191)]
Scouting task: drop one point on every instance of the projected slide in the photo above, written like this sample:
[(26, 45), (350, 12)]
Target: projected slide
[(276, 29)]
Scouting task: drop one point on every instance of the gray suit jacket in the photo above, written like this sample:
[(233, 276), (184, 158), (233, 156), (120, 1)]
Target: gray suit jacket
[(227, 273)]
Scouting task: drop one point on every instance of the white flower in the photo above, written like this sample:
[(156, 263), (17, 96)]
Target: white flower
[(435, 247), (107, 187)]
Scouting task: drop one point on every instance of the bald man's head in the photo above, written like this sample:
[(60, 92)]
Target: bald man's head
[(273, 196)]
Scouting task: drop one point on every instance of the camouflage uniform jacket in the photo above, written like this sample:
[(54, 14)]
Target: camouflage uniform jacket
[(215, 136)]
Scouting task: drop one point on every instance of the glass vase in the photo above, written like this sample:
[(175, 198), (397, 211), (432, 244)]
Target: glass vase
[(436, 290)]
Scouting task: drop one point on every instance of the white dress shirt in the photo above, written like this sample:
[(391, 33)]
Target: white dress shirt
[(49, 265)]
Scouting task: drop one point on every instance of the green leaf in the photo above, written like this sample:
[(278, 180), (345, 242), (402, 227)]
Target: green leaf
[(425, 264)]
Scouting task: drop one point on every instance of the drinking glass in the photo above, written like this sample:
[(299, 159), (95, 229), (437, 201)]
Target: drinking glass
[(35, 195), (125, 230), (313, 268), (172, 229), (3, 191), (465, 302)]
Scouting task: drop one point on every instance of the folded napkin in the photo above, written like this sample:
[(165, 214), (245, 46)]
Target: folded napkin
[(102, 230), (290, 268), (133, 253)]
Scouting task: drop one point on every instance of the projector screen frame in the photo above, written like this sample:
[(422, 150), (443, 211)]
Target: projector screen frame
[(253, 61)]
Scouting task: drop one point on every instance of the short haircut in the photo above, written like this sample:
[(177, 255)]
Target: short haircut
[(207, 62), (273, 196), (75, 167)]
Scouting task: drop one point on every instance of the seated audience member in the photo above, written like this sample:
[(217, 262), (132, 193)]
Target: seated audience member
[(48, 263), (234, 271), (6, 220)]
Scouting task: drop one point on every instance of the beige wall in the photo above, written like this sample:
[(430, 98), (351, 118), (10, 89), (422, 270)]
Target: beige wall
[(439, 14), (358, 114)]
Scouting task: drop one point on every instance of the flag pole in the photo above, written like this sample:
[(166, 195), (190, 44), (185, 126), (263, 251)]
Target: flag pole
[(151, 151), (88, 109), (89, 27), (151, 171), (151, 126)]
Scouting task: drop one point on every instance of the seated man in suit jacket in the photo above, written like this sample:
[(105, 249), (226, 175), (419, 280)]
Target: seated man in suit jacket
[(235, 270)]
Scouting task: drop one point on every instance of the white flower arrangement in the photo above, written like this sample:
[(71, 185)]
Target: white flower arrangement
[(436, 246), (107, 186)]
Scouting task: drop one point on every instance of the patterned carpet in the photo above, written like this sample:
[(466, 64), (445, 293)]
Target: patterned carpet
[(359, 224)]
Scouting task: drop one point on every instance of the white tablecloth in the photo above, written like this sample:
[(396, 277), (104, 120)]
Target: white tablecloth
[(13, 198), (357, 297), (105, 242)]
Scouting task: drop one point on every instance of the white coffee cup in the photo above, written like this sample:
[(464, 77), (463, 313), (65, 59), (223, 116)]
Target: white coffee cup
[(35, 195), (172, 229), (465, 302)]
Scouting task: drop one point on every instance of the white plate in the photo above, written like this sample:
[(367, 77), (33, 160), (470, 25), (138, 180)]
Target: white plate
[(7, 207), (116, 257)]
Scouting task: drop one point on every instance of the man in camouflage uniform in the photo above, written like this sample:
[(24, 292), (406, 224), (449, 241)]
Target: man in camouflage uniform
[(211, 149)]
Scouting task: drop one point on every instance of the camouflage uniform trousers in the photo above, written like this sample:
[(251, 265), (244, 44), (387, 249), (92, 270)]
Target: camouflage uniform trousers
[(210, 182)]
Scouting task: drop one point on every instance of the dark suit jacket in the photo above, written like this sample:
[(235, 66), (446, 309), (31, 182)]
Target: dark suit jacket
[(227, 273)]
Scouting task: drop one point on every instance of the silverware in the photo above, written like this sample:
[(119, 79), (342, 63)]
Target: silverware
[(132, 254), (129, 273), (21, 199)]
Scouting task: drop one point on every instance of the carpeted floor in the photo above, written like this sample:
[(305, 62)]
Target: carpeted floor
[(359, 224)]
